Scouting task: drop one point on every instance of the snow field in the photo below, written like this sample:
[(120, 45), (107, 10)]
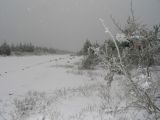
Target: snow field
[(51, 87)]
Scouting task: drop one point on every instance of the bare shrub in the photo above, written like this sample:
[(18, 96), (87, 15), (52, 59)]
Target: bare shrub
[(31, 103)]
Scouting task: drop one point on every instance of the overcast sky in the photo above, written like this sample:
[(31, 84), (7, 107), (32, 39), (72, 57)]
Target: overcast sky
[(66, 24)]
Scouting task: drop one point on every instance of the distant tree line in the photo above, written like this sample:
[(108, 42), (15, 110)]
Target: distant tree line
[(26, 47), (6, 49)]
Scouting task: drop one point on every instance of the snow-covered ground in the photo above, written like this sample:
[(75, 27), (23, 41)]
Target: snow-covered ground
[(41, 73), (52, 74), (51, 87)]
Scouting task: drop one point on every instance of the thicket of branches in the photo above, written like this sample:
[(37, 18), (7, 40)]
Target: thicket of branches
[(140, 51)]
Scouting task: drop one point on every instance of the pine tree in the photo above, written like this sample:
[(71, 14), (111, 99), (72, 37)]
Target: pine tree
[(86, 46), (5, 49)]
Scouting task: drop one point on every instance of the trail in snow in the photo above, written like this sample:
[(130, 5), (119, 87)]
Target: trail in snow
[(41, 73), (49, 74)]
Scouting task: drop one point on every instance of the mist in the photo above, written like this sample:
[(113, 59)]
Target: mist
[(66, 24)]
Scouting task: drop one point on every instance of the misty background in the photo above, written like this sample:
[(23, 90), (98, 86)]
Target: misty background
[(66, 24)]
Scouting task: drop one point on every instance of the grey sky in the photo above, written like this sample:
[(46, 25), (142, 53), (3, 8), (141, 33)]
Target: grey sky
[(65, 24)]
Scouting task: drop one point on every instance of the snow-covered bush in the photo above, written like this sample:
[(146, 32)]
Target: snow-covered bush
[(140, 88), (86, 46), (90, 58), (90, 61)]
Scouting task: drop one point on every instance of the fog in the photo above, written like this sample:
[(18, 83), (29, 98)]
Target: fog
[(66, 24)]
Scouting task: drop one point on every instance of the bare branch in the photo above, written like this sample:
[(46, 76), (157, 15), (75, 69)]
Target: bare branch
[(132, 11), (116, 24)]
